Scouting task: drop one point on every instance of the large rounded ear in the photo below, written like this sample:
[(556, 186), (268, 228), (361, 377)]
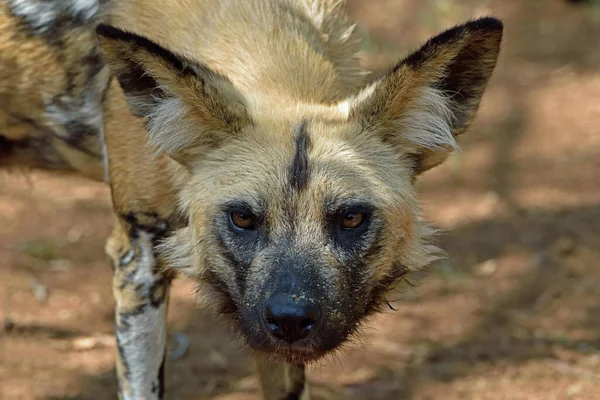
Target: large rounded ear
[(432, 95), (186, 105)]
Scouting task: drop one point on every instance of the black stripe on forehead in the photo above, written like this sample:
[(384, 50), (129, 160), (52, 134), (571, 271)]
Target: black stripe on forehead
[(299, 172)]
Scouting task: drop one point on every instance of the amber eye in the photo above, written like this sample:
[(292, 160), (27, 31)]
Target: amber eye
[(243, 220), (352, 220)]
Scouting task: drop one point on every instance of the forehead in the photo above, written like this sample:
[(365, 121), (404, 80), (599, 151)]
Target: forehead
[(310, 160)]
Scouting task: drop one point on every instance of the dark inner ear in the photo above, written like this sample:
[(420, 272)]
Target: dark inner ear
[(138, 84), (433, 94), (186, 105), (135, 79), (466, 74)]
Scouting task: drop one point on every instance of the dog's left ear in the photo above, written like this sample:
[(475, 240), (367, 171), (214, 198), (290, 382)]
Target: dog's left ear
[(187, 106), (432, 95)]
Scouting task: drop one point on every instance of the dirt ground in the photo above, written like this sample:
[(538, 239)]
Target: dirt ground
[(512, 313)]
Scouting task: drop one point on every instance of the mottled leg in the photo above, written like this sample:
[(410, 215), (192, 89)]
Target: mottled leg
[(281, 381), (144, 198), (141, 294)]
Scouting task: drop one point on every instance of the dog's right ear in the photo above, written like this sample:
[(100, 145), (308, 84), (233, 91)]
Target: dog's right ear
[(432, 95), (186, 105)]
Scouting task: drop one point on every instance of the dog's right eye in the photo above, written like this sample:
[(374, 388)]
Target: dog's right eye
[(243, 220), (352, 220)]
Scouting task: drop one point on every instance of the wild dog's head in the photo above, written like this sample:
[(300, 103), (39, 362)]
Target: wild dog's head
[(302, 217)]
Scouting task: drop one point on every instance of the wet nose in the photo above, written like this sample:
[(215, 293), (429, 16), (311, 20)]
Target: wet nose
[(291, 318)]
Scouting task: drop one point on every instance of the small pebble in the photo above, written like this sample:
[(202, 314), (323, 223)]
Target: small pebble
[(486, 268), (564, 246), (60, 265), (574, 389), (8, 324), (39, 291)]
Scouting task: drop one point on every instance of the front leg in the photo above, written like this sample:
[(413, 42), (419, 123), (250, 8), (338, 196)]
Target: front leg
[(141, 293), (281, 381), (144, 200)]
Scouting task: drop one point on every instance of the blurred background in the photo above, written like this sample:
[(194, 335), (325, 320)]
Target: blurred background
[(512, 313)]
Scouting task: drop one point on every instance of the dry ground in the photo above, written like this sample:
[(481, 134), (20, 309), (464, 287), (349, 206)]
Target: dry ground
[(513, 313)]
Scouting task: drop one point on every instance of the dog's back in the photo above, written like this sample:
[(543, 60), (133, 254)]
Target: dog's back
[(52, 81)]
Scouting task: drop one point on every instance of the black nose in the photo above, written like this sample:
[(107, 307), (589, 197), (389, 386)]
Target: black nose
[(291, 318)]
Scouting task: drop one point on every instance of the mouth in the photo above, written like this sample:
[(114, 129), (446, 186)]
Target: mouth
[(293, 354)]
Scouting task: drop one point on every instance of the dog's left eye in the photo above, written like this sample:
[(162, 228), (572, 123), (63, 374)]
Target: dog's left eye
[(243, 220), (352, 220)]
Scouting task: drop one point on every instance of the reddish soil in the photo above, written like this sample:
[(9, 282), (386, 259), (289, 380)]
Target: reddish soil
[(513, 313)]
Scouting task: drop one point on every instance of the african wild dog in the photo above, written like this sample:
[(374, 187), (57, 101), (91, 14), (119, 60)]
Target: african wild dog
[(246, 148)]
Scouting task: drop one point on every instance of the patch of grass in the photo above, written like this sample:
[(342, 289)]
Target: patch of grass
[(565, 341), (41, 249), (448, 270)]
